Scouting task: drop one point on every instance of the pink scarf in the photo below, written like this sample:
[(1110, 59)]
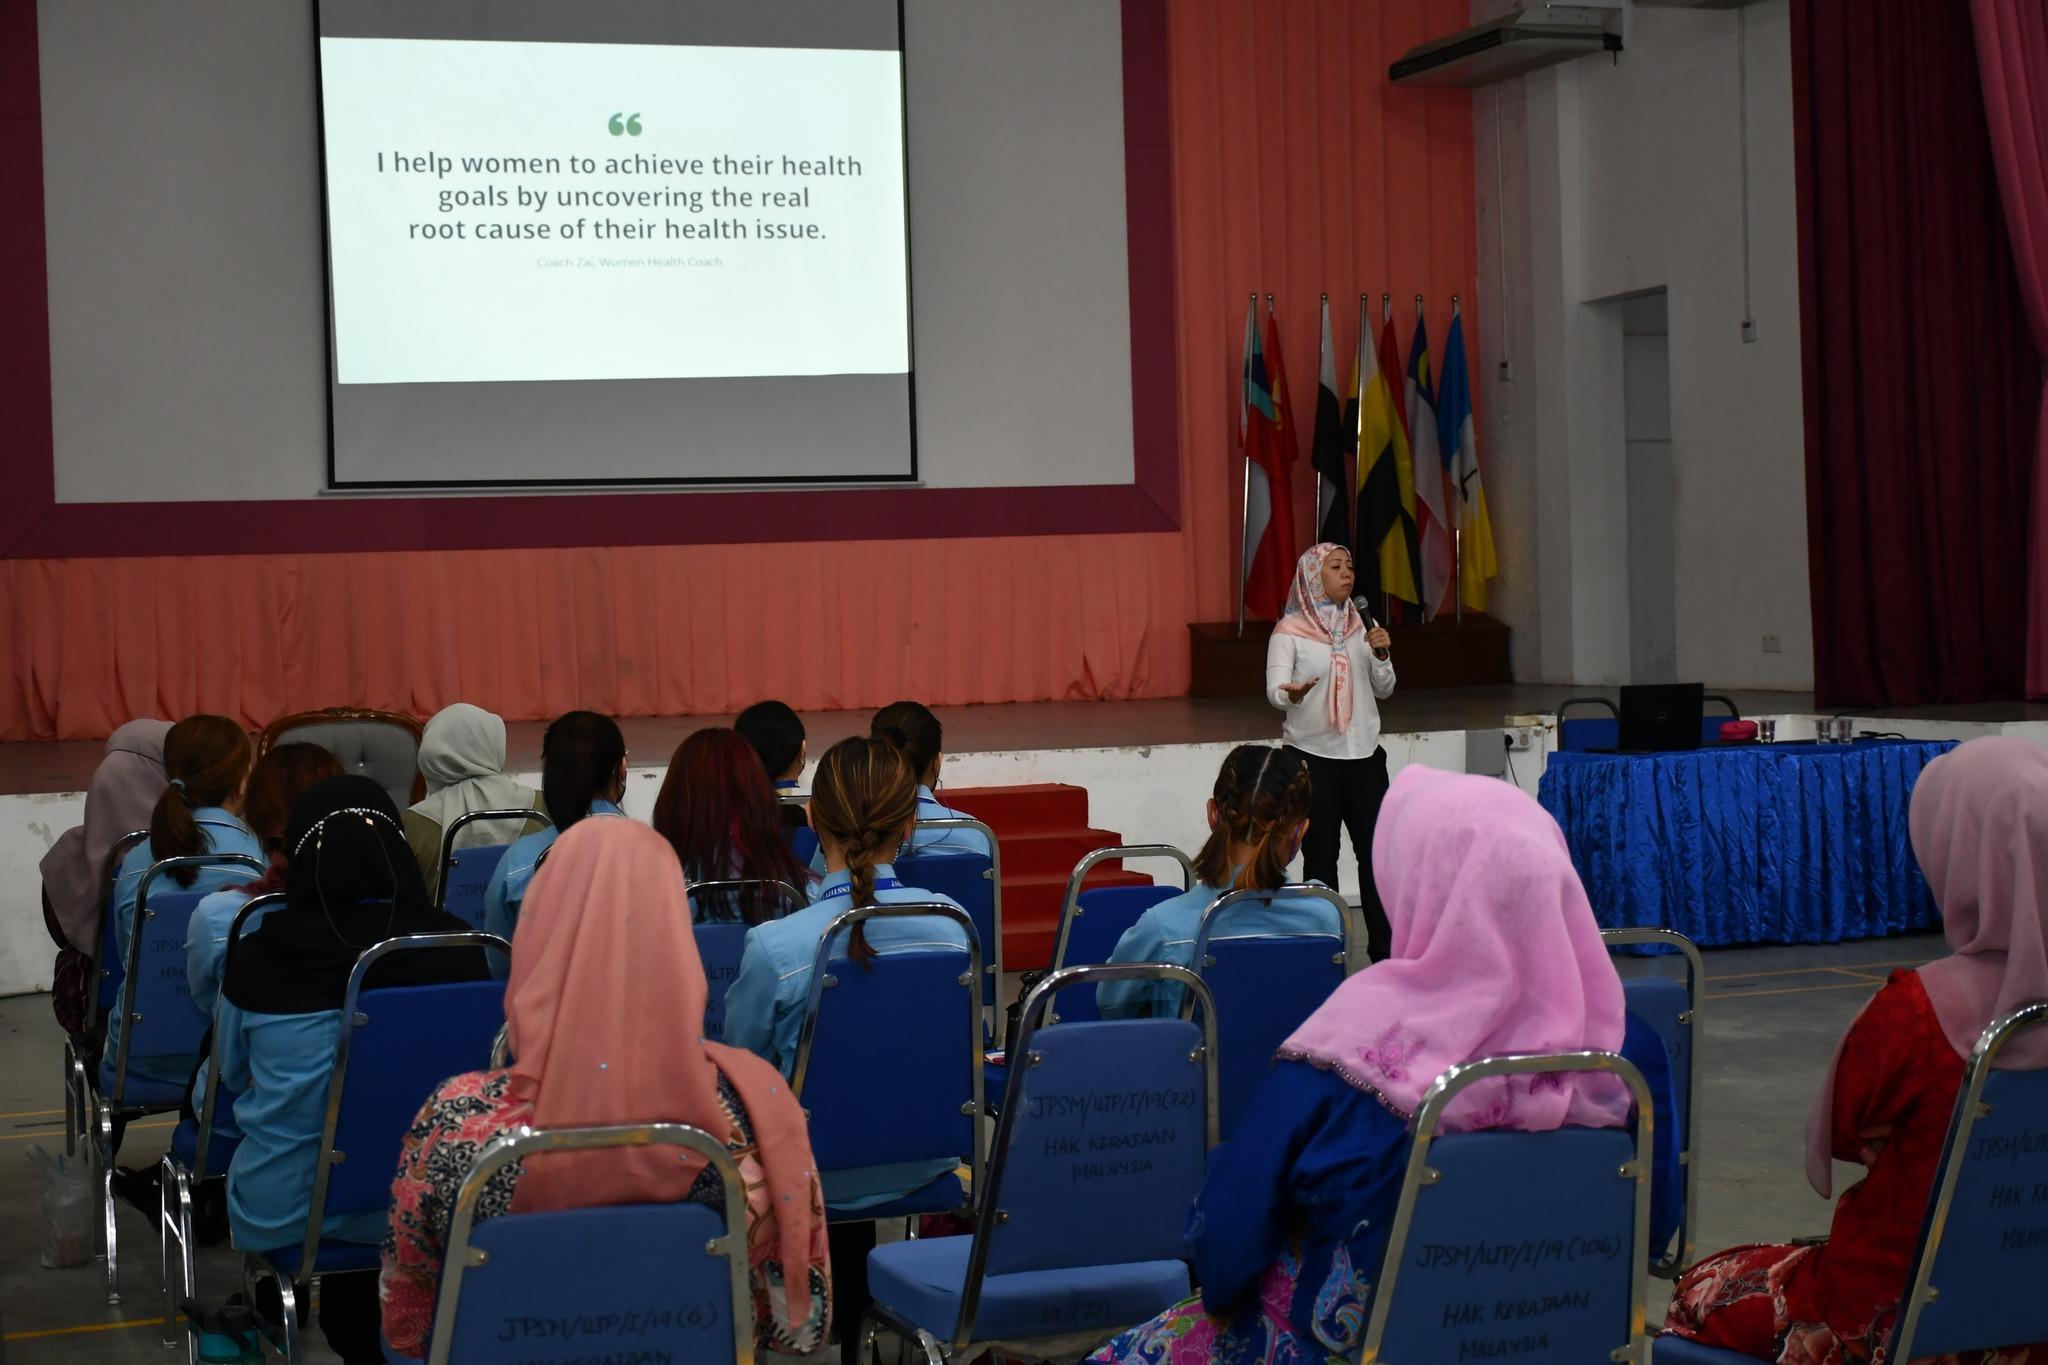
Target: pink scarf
[(1495, 950), (606, 1015), (1311, 615), (1979, 823)]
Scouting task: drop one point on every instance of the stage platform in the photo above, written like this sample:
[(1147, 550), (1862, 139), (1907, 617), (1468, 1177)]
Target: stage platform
[(1147, 766)]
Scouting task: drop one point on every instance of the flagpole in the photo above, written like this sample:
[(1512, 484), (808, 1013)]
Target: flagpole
[(1458, 538), (1319, 382), (1244, 502), (1429, 609)]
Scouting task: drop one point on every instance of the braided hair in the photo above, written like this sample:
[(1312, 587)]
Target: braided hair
[(1261, 795), (864, 798)]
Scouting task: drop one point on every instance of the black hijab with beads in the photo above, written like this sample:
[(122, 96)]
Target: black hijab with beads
[(350, 883)]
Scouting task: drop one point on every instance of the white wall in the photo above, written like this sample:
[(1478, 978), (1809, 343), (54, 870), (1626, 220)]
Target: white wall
[(1619, 177), (182, 214)]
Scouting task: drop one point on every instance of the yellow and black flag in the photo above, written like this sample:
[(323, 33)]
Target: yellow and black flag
[(1384, 556)]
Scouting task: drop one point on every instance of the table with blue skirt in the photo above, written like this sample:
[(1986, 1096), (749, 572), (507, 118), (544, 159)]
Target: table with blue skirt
[(1750, 843)]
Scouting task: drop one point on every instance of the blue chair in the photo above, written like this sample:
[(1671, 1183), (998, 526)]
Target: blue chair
[(1673, 1008), (109, 973), (641, 1281), (1265, 985), (722, 938), (196, 1153), (466, 874), (1550, 1225), (975, 880), (1591, 732), (1093, 920), (917, 1009), (1982, 1249), (1071, 1235), (398, 1043), (160, 1021)]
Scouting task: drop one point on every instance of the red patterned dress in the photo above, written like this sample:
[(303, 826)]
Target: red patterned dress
[(461, 1118), (1833, 1304)]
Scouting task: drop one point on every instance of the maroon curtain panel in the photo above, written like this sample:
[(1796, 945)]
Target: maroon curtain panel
[(1921, 377), (2012, 61)]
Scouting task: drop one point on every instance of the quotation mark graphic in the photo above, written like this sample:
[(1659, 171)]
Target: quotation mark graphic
[(629, 124)]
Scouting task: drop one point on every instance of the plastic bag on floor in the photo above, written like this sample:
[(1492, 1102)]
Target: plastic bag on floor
[(68, 1208)]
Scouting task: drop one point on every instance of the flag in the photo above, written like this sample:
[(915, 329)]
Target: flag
[(1333, 482), (1389, 357), (1455, 433), (1385, 487), (1268, 507), (1432, 516)]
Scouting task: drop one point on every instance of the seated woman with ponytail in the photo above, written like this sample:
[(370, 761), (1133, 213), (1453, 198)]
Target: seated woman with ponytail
[(863, 803), (206, 760), (582, 773), (1257, 814)]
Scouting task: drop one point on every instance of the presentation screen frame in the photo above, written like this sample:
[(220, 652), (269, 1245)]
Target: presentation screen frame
[(340, 486)]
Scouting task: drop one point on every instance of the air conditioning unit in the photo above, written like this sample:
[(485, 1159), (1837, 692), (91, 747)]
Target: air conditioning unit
[(1530, 39)]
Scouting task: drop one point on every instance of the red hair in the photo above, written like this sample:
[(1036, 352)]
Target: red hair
[(719, 812)]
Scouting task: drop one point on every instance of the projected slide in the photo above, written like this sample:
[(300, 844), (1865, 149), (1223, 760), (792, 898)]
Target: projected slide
[(597, 260)]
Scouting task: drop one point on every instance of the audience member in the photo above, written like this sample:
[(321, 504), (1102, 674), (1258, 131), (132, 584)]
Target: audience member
[(462, 756), (777, 734), (206, 759), (1979, 825), (719, 813), (350, 884), (911, 727), (1257, 813), (78, 868), (582, 773), (1494, 950), (605, 1016), (863, 803)]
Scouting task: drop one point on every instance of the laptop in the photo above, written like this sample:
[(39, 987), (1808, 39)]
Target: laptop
[(1661, 716)]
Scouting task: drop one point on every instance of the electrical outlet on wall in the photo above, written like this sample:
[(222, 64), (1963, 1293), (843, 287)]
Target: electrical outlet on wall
[(1772, 645)]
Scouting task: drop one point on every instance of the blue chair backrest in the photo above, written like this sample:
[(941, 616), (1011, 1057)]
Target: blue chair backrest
[(721, 945), (917, 1009), (465, 879), (1521, 1246), (803, 842), (1094, 919), (1672, 1008), (721, 933), (972, 879), (1985, 1235), (629, 1282), (1264, 987), (156, 995), (397, 1044), (1107, 1127), (1593, 732), (112, 970)]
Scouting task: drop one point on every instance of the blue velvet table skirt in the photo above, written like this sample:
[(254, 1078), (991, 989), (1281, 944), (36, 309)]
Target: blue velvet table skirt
[(1779, 843)]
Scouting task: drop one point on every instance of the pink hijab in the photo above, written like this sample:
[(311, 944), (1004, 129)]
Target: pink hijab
[(124, 790), (1311, 615), (605, 1015), (1979, 823), (1495, 950)]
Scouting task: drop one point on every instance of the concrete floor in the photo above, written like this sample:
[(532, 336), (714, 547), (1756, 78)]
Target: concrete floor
[(1772, 1019)]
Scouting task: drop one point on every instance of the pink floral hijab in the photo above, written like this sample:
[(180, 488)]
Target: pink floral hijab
[(1311, 615), (1495, 950)]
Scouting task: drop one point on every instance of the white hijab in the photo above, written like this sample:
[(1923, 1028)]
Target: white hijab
[(462, 756)]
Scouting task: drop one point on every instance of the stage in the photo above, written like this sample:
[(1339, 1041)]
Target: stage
[(1147, 765)]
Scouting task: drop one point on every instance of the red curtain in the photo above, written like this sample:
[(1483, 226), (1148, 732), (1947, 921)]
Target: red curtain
[(1921, 375), (2012, 58)]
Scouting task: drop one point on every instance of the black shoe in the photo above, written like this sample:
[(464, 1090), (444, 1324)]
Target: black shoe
[(210, 1212), (140, 1190)]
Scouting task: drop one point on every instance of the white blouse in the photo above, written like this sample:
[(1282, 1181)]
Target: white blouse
[(1291, 659)]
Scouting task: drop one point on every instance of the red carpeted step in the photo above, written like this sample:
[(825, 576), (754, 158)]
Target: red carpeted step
[(1045, 855), (1040, 807)]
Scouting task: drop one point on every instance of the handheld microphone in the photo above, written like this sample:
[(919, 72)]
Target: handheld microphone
[(1370, 624)]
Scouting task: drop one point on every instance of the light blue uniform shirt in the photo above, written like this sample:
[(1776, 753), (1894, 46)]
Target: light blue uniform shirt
[(1166, 933), (282, 1065), (764, 1009), (223, 833), (507, 889), (206, 955)]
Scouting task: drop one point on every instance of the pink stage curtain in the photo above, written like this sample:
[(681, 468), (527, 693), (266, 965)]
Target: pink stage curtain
[(2012, 62), (1296, 169)]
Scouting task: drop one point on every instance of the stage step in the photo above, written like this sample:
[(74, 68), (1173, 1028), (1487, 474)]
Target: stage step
[(1043, 831)]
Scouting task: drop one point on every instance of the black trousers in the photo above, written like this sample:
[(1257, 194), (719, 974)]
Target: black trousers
[(1345, 795), (848, 1244)]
